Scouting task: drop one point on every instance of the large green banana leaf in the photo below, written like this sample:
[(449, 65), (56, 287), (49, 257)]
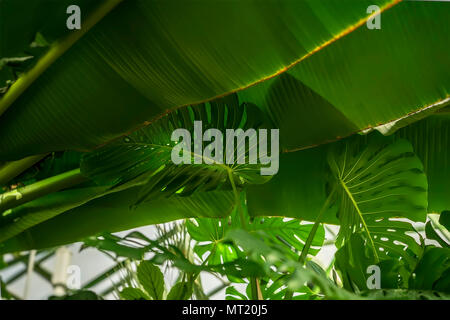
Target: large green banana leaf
[(141, 58)]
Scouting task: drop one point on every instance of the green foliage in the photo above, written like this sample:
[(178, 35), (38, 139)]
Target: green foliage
[(438, 260), (210, 234), (233, 294), (133, 294), (298, 190), (152, 279), (86, 119), (430, 140), (398, 279), (375, 184), (108, 242), (78, 295), (444, 219), (180, 291), (147, 152), (354, 259), (433, 235)]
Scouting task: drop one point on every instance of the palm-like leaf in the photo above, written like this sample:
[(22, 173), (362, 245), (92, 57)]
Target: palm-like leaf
[(147, 153)]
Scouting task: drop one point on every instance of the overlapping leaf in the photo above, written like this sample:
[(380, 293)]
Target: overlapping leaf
[(147, 152), (289, 235), (430, 139), (112, 213), (437, 260), (377, 184)]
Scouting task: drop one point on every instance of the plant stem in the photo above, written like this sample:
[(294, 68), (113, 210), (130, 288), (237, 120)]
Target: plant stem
[(33, 191), (237, 200), (254, 282), (12, 169), (254, 288), (311, 235), (313, 231), (219, 288)]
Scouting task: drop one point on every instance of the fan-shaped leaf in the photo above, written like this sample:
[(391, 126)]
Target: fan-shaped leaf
[(148, 152)]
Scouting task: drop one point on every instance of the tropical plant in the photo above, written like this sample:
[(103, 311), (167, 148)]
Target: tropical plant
[(86, 119)]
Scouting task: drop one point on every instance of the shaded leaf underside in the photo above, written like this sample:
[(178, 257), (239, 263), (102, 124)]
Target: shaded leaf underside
[(135, 78)]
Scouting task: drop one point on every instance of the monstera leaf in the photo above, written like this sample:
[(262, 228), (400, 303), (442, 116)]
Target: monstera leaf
[(300, 187), (376, 185), (356, 264), (148, 152), (211, 233), (430, 140)]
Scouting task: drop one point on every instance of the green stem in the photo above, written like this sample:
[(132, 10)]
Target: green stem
[(311, 235), (12, 169), (254, 282), (255, 289), (217, 289), (41, 188), (313, 231), (237, 199)]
